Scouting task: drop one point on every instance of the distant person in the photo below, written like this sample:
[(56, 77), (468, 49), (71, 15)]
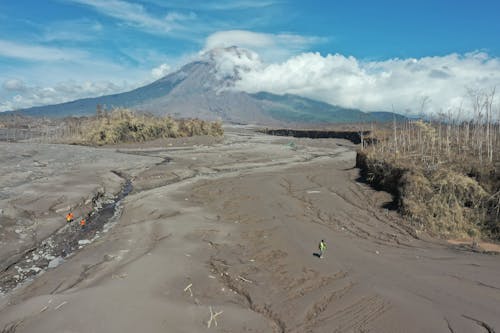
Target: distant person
[(83, 223), (322, 248), (69, 217)]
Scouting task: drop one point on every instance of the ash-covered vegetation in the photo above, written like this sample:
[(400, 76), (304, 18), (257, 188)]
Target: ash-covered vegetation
[(120, 125), (444, 173), (124, 125)]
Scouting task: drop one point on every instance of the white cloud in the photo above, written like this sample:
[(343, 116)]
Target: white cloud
[(230, 62), (34, 52), (137, 16), (14, 85), (241, 4), (61, 92), (375, 85), (160, 71), (269, 46), (217, 4), (173, 17), (241, 38), (72, 30), (91, 79)]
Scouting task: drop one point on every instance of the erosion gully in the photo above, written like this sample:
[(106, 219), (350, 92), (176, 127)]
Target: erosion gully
[(53, 250)]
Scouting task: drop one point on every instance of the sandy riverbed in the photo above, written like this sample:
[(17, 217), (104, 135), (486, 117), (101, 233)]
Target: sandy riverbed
[(238, 223)]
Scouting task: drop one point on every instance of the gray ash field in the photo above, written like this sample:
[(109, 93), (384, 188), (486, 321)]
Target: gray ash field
[(224, 227)]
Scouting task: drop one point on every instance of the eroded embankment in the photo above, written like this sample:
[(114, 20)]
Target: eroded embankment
[(382, 176), (354, 136), (52, 251), (441, 201)]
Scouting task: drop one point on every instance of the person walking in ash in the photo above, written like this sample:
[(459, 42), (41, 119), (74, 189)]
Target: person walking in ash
[(322, 248), (69, 217)]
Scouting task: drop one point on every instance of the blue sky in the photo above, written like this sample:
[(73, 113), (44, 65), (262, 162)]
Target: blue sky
[(57, 50)]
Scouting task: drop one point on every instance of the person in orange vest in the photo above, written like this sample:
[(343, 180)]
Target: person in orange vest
[(82, 223), (69, 217)]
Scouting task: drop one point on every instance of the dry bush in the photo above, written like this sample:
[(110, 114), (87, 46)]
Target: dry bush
[(191, 127), (445, 173), (124, 125), (444, 203), (117, 126), (441, 201)]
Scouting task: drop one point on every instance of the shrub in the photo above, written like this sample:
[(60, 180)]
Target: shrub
[(123, 125)]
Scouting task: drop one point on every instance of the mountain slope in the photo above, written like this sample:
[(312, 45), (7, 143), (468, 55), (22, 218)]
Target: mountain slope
[(203, 89), (87, 106)]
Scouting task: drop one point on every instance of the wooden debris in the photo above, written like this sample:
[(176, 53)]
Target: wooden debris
[(119, 276), (213, 317), (60, 305), (243, 279), (189, 288)]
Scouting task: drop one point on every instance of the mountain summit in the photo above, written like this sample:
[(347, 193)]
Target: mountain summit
[(205, 89)]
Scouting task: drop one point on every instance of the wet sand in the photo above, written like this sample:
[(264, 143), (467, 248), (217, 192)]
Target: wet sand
[(233, 227)]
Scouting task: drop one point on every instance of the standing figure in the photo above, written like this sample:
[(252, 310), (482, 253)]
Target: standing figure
[(82, 223), (69, 217), (322, 248)]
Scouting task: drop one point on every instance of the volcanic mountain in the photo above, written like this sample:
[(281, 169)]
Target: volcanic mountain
[(205, 89)]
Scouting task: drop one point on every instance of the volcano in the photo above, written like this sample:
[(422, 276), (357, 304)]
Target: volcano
[(205, 89)]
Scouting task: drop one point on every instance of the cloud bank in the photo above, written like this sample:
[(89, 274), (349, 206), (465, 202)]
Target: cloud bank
[(28, 96), (271, 47), (374, 85)]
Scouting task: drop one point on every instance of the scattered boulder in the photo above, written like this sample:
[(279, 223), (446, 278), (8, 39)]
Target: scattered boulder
[(55, 262)]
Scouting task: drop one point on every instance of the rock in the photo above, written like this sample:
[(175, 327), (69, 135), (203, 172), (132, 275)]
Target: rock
[(63, 209), (36, 269), (56, 262), (24, 222), (83, 242), (108, 257)]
